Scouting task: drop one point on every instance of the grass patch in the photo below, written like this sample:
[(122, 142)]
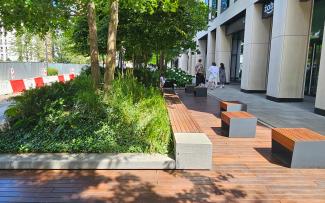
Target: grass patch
[(74, 118)]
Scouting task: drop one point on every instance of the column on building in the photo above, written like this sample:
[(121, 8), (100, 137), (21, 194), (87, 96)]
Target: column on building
[(320, 95), (183, 61), (189, 63), (202, 45), (211, 48), (256, 50), (290, 37), (223, 49), (194, 61)]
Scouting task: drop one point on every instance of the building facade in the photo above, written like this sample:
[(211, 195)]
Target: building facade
[(267, 46), (7, 41)]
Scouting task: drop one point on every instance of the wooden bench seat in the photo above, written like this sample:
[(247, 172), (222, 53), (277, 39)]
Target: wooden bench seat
[(239, 124), (232, 106), (227, 116), (299, 147)]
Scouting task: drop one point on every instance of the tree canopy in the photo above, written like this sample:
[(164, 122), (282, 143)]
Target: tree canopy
[(145, 32), (142, 27)]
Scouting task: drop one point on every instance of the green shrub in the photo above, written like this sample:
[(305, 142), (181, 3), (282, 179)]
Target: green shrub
[(147, 77), (52, 71), (75, 118), (178, 76)]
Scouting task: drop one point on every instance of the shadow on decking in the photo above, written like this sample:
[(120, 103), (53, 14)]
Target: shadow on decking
[(267, 154), (121, 186), (220, 131), (202, 104)]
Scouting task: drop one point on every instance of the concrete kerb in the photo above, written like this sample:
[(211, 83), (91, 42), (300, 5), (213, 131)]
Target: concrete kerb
[(86, 161)]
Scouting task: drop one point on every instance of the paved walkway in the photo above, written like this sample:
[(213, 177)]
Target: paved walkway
[(243, 171), (276, 114), (4, 104)]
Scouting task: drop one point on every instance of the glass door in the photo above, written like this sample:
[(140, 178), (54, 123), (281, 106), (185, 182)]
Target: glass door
[(237, 53), (313, 68)]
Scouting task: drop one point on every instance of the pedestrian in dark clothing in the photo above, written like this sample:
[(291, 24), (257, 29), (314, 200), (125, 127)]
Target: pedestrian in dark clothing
[(199, 71), (222, 75)]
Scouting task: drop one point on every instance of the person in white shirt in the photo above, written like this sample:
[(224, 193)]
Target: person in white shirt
[(213, 76), (162, 81)]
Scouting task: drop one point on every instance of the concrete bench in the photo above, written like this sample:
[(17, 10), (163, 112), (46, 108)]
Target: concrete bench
[(189, 89), (239, 124), (193, 149), (200, 92), (232, 106), (299, 147)]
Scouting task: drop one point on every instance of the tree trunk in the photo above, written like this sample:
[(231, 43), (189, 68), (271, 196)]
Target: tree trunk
[(161, 60), (94, 54), (111, 45), (157, 59)]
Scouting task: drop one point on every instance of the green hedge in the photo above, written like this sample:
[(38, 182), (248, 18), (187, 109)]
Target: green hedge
[(178, 76)]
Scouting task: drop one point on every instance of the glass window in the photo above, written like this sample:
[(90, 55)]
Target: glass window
[(224, 5), (214, 8)]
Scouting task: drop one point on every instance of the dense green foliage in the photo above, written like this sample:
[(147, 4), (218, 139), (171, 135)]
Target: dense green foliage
[(52, 71), (144, 32), (74, 118), (178, 76), (147, 77)]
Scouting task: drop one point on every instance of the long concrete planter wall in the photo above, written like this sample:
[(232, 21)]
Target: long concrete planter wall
[(86, 161)]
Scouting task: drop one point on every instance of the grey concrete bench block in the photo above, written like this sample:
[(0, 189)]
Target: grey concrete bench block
[(304, 155), (309, 155), (241, 127), (193, 151), (200, 91), (189, 89)]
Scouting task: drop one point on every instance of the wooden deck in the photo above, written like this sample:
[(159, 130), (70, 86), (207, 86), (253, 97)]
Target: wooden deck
[(243, 171), (180, 118)]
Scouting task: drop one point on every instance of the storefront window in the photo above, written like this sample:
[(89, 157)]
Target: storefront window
[(315, 48), (224, 5), (214, 8)]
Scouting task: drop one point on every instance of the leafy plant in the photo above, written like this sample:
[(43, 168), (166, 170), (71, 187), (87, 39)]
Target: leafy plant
[(147, 77), (178, 76), (74, 118)]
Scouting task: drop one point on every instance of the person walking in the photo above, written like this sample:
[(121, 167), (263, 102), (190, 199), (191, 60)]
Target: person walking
[(199, 71), (162, 81), (213, 76), (222, 75)]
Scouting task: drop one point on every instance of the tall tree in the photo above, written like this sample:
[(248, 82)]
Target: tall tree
[(111, 44), (93, 42), (139, 5)]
